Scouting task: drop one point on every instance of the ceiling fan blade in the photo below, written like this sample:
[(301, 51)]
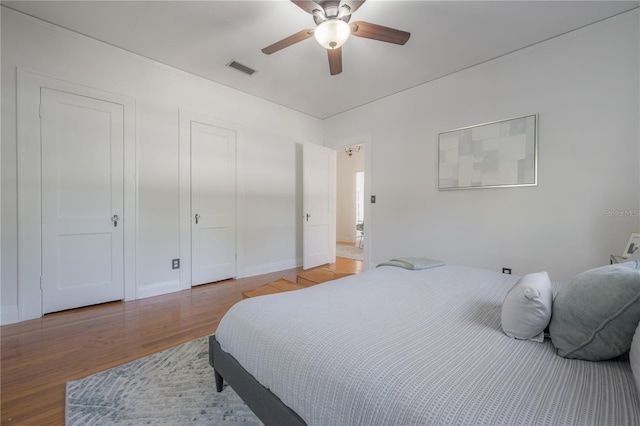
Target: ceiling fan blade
[(353, 4), (378, 32), (287, 41), (306, 5), (335, 60)]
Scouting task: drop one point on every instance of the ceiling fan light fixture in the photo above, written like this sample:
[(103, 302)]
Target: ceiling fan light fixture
[(332, 33)]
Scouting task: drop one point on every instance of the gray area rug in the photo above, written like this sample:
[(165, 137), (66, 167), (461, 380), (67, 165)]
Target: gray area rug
[(350, 252), (172, 387)]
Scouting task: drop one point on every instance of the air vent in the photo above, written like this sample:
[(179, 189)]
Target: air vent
[(242, 68)]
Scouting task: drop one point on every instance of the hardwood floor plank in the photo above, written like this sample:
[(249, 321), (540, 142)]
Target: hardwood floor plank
[(38, 357)]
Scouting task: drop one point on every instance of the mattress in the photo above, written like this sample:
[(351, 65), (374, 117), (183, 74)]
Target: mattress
[(398, 347)]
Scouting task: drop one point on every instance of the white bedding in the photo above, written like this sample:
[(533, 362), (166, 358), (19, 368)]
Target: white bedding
[(397, 347)]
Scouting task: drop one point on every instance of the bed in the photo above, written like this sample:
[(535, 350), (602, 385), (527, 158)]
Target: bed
[(392, 346)]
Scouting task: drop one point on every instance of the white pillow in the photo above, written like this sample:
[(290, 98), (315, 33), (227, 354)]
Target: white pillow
[(526, 310), (634, 357)]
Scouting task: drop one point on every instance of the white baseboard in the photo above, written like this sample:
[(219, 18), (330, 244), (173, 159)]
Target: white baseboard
[(9, 314), (267, 268), (156, 289)]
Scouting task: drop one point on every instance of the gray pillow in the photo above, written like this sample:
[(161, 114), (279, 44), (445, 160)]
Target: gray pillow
[(595, 315), (634, 357)]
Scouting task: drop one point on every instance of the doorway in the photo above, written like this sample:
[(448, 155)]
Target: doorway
[(208, 200), (350, 210), (213, 203), (44, 221), (82, 200)]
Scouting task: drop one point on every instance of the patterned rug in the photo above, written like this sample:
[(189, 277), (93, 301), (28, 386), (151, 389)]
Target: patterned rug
[(172, 387)]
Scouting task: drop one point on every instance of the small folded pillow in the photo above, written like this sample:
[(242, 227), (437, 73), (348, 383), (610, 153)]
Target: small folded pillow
[(634, 357), (416, 263), (412, 263), (526, 310)]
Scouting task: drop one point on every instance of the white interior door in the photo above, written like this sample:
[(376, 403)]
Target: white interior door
[(319, 204), (82, 200), (213, 203)]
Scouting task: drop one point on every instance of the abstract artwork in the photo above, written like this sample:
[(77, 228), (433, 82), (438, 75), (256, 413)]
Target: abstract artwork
[(491, 155)]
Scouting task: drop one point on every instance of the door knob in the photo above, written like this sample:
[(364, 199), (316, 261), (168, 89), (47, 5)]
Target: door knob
[(115, 220), (197, 217)]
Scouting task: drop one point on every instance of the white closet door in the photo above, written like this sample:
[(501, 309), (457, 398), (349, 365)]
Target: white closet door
[(82, 200), (213, 203)]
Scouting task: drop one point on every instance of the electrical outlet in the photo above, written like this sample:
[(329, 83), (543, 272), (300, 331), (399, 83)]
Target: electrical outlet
[(506, 271), (175, 264), (373, 199)]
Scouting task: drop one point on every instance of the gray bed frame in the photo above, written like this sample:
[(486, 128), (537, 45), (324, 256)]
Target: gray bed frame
[(267, 406)]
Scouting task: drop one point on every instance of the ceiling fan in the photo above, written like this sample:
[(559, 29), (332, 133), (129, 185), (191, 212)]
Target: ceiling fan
[(333, 29)]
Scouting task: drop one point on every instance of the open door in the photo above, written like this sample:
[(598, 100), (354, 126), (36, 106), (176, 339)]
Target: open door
[(319, 204)]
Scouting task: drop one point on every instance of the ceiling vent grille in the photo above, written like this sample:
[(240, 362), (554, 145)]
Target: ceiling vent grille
[(242, 68)]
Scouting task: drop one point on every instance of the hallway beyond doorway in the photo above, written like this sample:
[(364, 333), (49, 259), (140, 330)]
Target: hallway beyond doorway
[(349, 251)]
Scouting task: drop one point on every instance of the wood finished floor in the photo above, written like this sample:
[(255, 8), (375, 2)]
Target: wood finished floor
[(39, 356)]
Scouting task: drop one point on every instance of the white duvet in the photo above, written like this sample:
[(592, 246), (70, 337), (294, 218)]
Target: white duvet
[(398, 347)]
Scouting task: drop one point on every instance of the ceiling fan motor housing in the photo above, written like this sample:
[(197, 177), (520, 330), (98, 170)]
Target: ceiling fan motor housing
[(331, 10)]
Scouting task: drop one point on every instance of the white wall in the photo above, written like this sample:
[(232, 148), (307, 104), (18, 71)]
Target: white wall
[(585, 88), (269, 158), (346, 193)]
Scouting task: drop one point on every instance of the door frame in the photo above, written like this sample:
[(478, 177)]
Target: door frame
[(365, 141), (186, 118), (30, 189)]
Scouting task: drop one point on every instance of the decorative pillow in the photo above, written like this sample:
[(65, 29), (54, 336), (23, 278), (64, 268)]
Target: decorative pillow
[(634, 357), (526, 309), (596, 314)]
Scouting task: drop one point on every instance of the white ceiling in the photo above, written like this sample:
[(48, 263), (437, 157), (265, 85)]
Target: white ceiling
[(201, 37)]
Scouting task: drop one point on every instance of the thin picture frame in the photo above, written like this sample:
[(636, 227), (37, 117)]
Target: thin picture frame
[(497, 154), (632, 249)]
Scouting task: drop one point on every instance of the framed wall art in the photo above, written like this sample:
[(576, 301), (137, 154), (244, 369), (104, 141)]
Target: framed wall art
[(491, 155)]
